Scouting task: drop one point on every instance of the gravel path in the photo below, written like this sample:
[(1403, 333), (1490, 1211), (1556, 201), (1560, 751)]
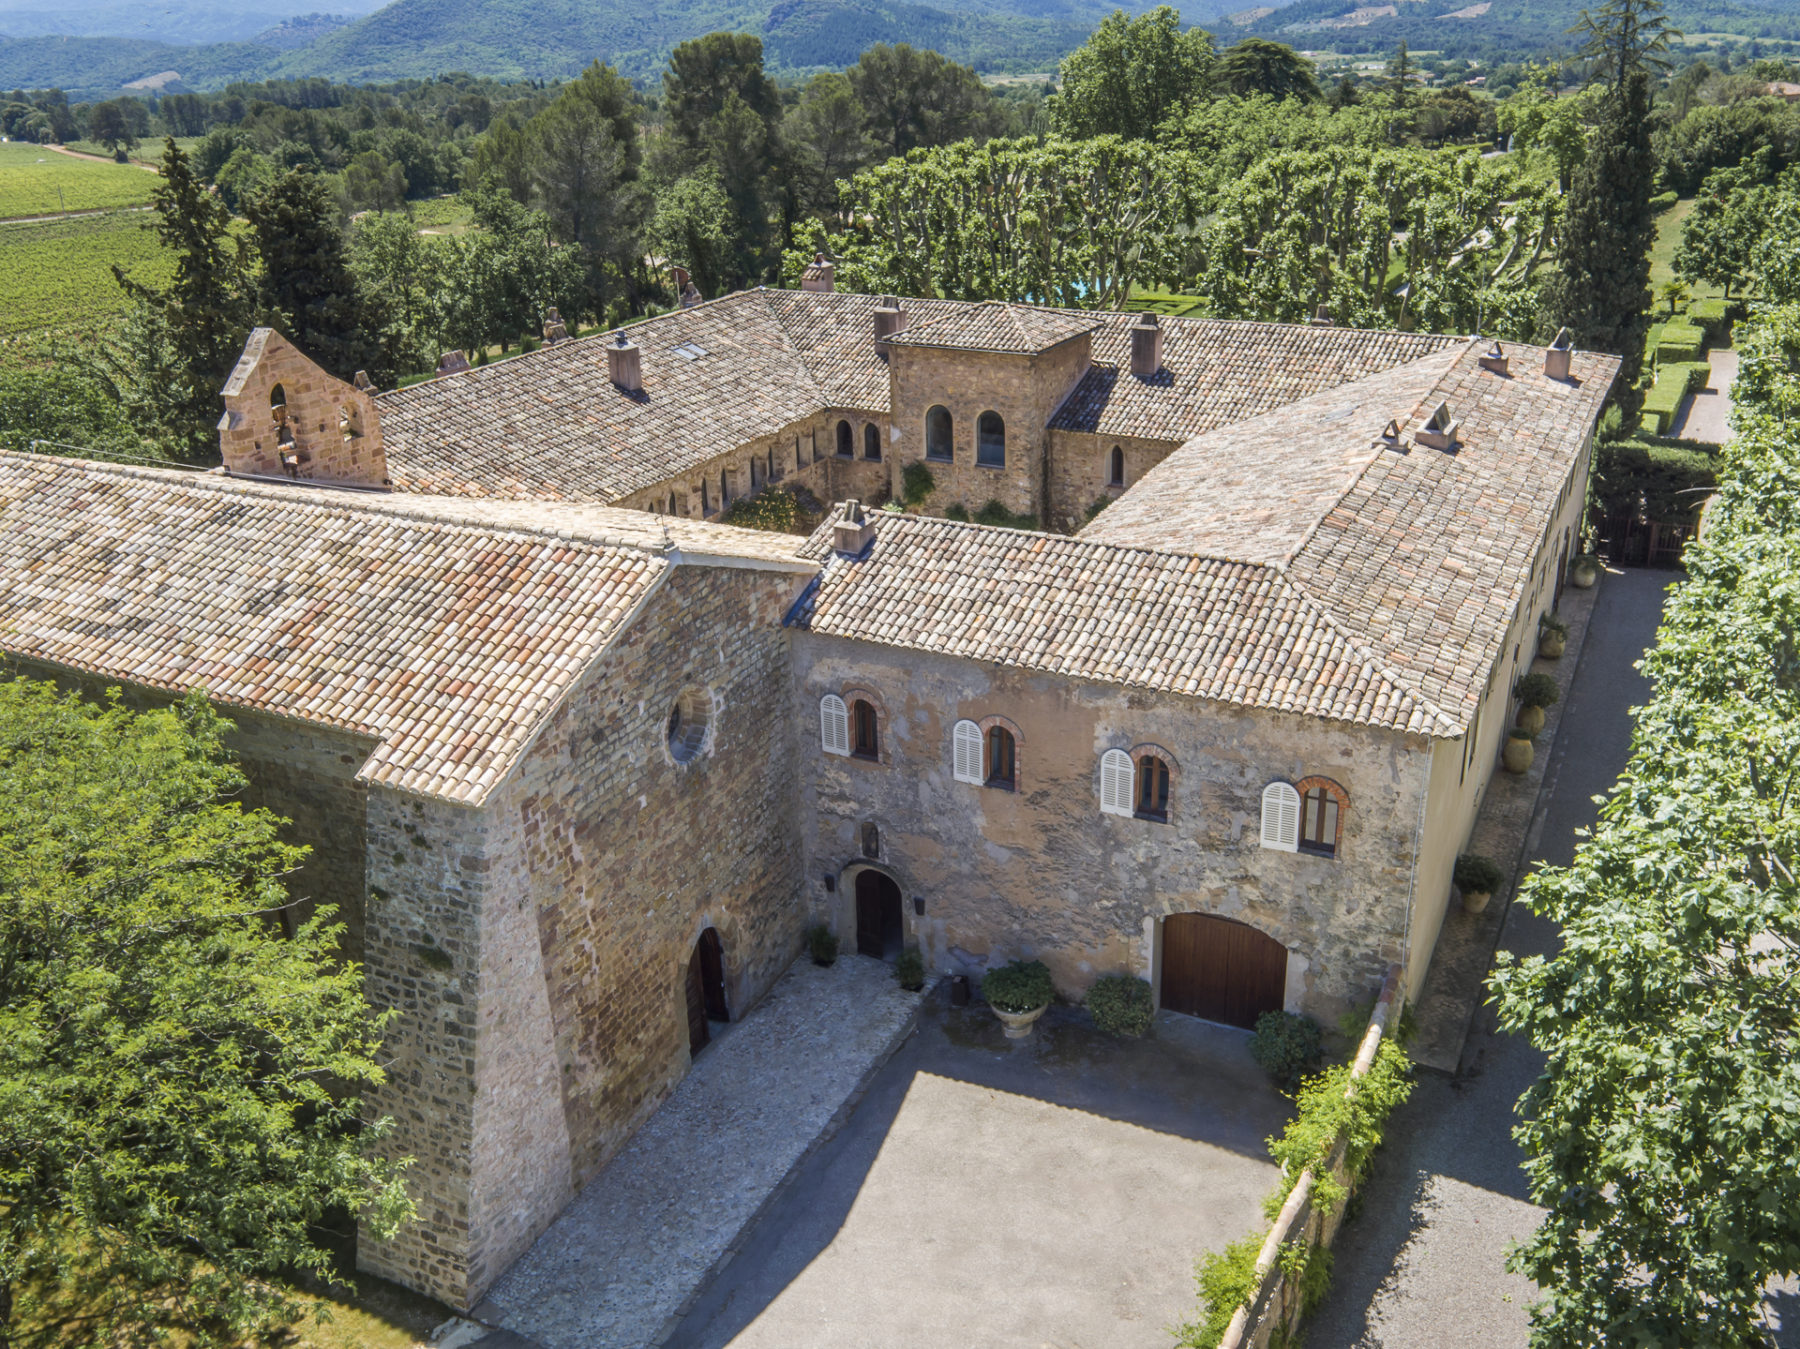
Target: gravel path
[(646, 1232), (1708, 412)]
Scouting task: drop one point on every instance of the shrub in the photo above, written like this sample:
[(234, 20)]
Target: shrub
[(1551, 623), (1674, 382), (823, 943), (1227, 1281), (773, 509), (910, 969), (1287, 1046), (1477, 875), (1021, 986), (1536, 690), (957, 512), (1520, 733), (1662, 201), (916, 484), (1120, 1004), (1713, 317), (1658, 480), (1324, 1114), (996, 514), (1680, 342)]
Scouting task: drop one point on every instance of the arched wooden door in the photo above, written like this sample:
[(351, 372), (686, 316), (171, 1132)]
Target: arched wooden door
[(880, 925), (1221, 970), (705, 989)]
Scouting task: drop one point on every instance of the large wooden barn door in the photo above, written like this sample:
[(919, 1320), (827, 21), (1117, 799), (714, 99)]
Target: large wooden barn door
[(1221, 970), (880, 924)]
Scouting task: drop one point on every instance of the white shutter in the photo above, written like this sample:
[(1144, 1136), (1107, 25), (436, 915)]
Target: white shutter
[(1281, 817), (1115, 782), (834, 725), (967, 745)]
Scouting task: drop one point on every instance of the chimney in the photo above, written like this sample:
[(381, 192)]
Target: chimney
[(1556, 357), (1146, 346), (1321, 317), (890, 318), (363, 381), (1494, 358), (1438, 430), (555, 330), (451, 363), (821, 276), (624, 363), (854, 531)]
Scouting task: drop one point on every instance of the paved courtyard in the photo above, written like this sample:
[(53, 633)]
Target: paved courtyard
[(643, 1235), (1049, 1192)]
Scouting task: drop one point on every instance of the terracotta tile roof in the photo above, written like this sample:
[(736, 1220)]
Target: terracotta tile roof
[(994, 325), (1216, 372), (447, 643), (1205, 627)]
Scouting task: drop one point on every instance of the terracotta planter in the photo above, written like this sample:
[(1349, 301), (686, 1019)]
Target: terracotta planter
[(1517, 755), (1583, 572), (1018, 1024), (1530, 719), (1474, 901), (1551, 645)]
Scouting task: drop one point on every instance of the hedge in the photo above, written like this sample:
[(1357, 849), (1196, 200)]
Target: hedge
[(1680, 342), (1659, 480), (1714, 318), (1662, 201), (1673, 384)]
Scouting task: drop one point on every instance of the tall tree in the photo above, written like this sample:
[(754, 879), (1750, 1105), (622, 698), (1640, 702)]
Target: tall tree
[(583, 164), (1602, 294), (1625, 37), (1131, 75), (307, 288), (179, 1084), (705, 73), (1257, 66), (826, 140), (920, 99)]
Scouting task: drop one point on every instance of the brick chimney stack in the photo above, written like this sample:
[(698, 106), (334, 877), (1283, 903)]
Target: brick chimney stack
[(1556, 357), (1146, 346), (890, 318), (820, 276), (624, 363)]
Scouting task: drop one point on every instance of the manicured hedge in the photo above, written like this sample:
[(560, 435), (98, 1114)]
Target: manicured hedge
[(1659, 480), (1714, 318), (1662, 201), (1680, 342), (1674, 382)]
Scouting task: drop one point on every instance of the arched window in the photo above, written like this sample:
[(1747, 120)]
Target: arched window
[(724, 488), (871, 441), (845, 441), (1281, 817), (277, 398), (799, 455), (1322, 806), (990, 441), (967, 758), (674, 506), (705, 501), (1002, 758), (940, 440), (1115, 782), (1115, 467), (834, 725), (755, 474), (865, 740), (1152, 788)]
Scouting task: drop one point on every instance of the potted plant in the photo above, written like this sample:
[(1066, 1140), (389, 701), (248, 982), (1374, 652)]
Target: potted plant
[(1477, 878), (1584, 571), (1553, 637), (1518, 753), (1535, 692), (909, 969), (822, 942), (1018, 992)]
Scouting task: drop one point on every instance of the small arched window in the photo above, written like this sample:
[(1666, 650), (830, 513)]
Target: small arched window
[(705, 500), (1002, 758), (990, 441), (724, 488), (940, 440), (674, 506), (1152, 801), (1321, 817), (277, 398), (966, 742), (755, 474), (846, 442), (871, 441), (865, 742), (834, 725), (1115, 467), (1281, 817), (1115, 782), (799, 455)]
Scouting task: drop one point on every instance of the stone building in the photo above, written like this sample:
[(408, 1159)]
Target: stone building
[(580, 764)]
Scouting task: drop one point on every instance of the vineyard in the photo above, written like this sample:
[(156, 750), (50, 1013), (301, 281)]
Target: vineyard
[(58, 274), (37, 181)]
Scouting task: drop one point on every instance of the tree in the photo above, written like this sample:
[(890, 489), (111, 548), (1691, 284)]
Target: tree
[(391, 260), (1626, 37), (705, 73), (1399, 73), (583, 163), (1131, 75), (306, 287), (1540, 122), (1722, 238), (495, 283), (920, 99), (826, 140), (110, 125), (1602, 294), (694, 228), (1662, 1138), (195, 328), (1257, 66), (179, 1083)]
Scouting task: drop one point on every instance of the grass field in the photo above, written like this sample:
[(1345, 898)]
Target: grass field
[(58, 274), (1662, 258), (30, 177)]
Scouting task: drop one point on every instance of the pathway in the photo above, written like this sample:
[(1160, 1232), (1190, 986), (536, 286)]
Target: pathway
[(1423, 1263), (648, 1230), (1707, 413), (101, 159)]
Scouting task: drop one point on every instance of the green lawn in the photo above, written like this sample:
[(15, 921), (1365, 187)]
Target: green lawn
[(37, 181), (1662, 258)]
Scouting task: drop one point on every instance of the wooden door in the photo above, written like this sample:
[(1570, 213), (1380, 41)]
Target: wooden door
[(880, 925), (1221, 970), (698, 1031), (712, 975)]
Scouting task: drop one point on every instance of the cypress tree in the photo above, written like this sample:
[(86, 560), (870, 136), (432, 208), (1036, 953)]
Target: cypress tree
[(1602, 294), (307, 289)]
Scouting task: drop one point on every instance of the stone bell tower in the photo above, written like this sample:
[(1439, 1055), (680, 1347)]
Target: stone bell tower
[(285, 417)]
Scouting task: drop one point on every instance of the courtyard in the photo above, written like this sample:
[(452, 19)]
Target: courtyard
[(1050, 1191)]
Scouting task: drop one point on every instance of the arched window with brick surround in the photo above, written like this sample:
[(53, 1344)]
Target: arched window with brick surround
[(871, 441), (1323, 805), (1115, 467), (865, 730), (1152, 795), (990, 440)]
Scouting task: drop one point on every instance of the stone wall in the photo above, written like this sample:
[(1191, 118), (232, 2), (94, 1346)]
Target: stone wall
[(1078, 468), (606, 859), (332, 430), (1041, 872), (1024, 390)]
